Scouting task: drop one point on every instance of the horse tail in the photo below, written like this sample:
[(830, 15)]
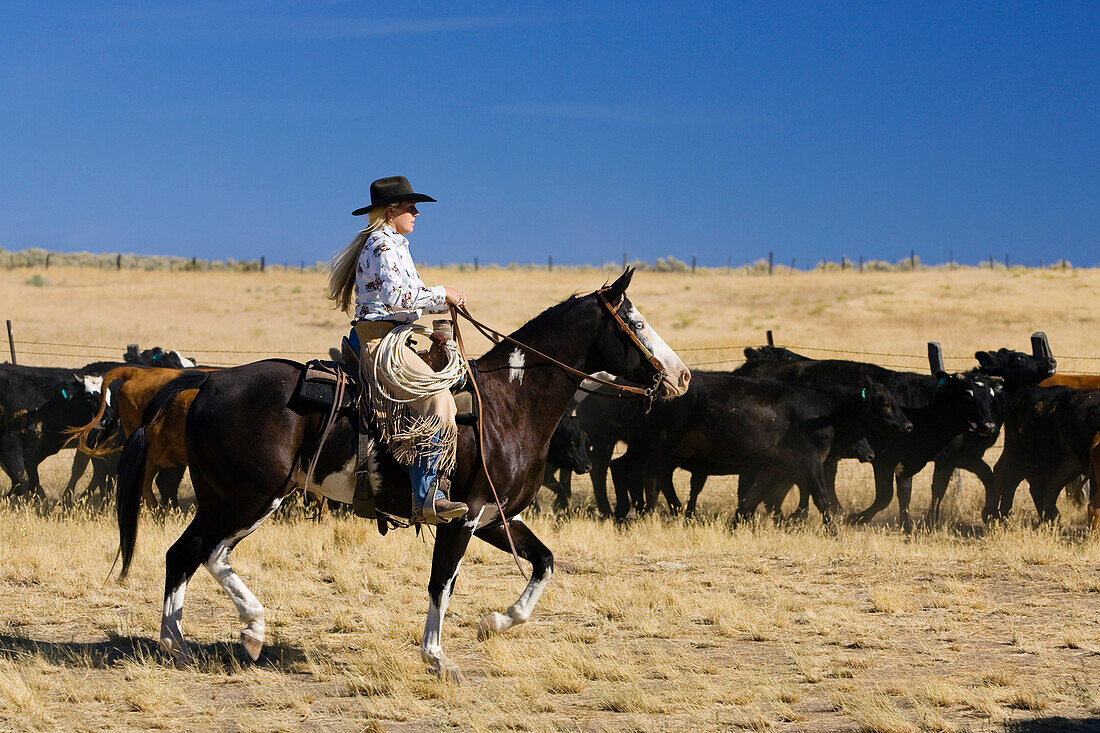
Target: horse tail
[(131, 473), (188, 379), (83, 433)]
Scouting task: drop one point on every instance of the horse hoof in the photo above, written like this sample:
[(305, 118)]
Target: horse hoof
[(445, 670), (252, 645), (491, 624)]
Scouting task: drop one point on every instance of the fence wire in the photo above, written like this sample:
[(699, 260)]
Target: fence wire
[(920, 359)]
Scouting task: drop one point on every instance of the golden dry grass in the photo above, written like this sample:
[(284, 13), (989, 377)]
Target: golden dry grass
[(666, 625)]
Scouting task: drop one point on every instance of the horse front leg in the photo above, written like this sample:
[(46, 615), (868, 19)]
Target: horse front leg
[(451, 540), (531, 549)]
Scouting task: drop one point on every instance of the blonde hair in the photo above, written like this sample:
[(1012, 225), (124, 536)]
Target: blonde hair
[(341, 278)]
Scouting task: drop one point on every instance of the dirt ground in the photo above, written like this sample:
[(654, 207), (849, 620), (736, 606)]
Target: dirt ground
[(662, 625)]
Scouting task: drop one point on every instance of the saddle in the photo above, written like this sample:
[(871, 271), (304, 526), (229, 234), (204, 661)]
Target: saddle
[(334, 388)]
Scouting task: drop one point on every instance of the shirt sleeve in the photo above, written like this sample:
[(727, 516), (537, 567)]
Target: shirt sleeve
[(402, 289)]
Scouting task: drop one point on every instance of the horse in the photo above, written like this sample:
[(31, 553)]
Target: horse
[(247, 450)]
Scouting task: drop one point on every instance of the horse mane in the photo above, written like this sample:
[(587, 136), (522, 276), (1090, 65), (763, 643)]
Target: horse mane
[(523, 331)]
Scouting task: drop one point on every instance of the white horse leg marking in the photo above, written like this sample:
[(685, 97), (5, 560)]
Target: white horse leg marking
[(171, 632), (518, 612), (516, 361), (431, 646), (249, 608)]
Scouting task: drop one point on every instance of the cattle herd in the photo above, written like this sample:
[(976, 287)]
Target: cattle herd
[(781, 420)]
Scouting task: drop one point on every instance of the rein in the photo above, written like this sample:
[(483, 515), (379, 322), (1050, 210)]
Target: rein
[(619, 391), (622, 391)]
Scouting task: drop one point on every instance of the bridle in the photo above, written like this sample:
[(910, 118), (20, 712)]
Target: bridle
[(623, 391), (620, 391)]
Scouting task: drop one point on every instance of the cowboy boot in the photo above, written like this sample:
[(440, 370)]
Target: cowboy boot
[(430, 503)]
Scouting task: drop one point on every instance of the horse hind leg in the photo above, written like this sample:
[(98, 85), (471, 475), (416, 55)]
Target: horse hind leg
[(249, 608), (530, 548)]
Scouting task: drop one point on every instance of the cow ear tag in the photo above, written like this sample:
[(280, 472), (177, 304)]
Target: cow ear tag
[(863, 393), (943, 381), (64, 394)]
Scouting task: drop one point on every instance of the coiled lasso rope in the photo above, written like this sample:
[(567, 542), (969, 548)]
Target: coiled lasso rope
[(394, 362)]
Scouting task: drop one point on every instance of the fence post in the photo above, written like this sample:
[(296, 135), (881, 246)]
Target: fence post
[(990, 262), (1006, 260), (475, 264), (770, 338), (861, 263), (693, 264), (913, 260), (11, 343), (118, 262), (263, 263), (624, 261), (771, 261), (47, 260), (843, 262), (550, 263)]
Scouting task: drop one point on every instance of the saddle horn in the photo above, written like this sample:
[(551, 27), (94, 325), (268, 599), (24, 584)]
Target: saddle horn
[(1040, 346), (935, 358)]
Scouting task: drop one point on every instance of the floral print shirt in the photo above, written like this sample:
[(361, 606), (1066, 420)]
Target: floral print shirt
[(387, 286)]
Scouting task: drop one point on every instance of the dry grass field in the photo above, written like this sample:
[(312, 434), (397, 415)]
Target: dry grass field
[(665, 625)]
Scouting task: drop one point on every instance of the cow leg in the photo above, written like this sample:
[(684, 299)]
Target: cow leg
[(451, 541), (1006, 479), (168, 485), (533, 551), (564, 491), (621, 477), (601, 459), (100, 485), (941, 479), (813, 479), (748, 495), (830, 484), (884, 492), (698, 480), (80, 465), (669, 491), (249, 608), (905, 494)]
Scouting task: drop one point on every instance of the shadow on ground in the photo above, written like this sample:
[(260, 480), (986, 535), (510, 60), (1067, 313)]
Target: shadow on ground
[(117, 649), (1055, 725)]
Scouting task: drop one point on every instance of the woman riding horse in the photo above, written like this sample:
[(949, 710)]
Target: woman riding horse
[(377, 265)]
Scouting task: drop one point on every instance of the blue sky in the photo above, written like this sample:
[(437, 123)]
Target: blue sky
[(578, 130)]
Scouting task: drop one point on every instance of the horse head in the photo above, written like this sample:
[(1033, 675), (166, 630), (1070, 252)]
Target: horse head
[(630, 347)]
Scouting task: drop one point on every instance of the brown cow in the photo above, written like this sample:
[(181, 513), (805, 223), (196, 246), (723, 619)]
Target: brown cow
[(1076, 381), (165, 438)]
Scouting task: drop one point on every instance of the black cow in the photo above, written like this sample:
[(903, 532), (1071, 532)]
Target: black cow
[(941, 407), (729, 424), (568, 454), (966, 451), (37, 404), (1049, 432)]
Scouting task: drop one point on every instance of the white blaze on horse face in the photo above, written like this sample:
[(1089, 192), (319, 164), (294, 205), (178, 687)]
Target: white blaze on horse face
[(515, 364), (677, 374)]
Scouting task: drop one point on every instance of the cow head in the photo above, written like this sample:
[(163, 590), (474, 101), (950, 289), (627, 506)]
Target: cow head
[(569, 446), (884, 414), (969, 398), (1016, 368)]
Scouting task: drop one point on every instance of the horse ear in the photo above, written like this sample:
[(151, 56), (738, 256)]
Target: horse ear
[(617, 289)]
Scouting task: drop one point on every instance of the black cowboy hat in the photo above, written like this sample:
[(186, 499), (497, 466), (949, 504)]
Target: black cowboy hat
[(386, 191)]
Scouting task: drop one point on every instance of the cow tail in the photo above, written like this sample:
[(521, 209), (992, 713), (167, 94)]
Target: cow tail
[(83, 433), (131, 470)]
